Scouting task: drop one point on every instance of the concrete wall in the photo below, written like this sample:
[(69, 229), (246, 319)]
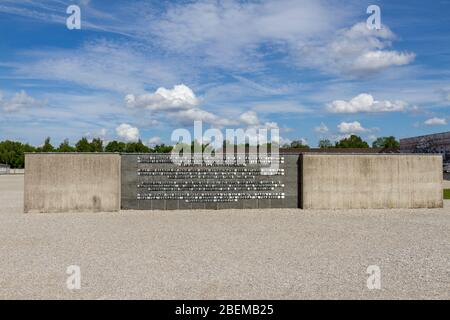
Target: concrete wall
[(58, 182), (371, 181)]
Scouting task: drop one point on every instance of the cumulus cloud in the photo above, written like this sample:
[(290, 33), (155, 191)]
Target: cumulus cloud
[(365, 103), (179, 104), (356, 51), (180, 97), (20, 100), (436, 122), (351, 127), (322, 128), (249, 118), (128, 132)]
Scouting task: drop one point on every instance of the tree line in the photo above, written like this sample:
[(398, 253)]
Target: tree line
[(12, 152), (356, 142)]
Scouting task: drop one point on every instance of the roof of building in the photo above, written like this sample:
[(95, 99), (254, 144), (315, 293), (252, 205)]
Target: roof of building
[(428, 136)]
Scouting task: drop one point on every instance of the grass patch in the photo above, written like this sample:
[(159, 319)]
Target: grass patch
[(447, 194)]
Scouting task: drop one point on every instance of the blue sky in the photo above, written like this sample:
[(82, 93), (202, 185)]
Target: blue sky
[(140, 69)]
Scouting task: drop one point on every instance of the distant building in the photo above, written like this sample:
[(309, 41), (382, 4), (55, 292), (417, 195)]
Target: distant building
[(433, 143), (4, 168)]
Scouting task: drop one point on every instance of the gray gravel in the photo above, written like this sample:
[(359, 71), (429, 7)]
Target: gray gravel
[(251, 254)]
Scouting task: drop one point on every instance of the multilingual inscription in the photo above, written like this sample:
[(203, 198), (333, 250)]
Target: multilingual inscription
[(204, 180), (155, 182)]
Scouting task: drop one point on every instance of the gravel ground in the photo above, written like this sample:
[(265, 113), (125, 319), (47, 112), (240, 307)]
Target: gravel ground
[(252, 254)]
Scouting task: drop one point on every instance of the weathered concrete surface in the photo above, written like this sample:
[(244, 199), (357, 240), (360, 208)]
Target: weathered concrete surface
[(72, 182), (371, 181)]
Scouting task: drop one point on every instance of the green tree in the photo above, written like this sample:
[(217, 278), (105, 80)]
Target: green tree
[(47, 147), (352, 142), (83, 145), (162, 148), (137, 147), (297, 144), (12, 153), (325, 143), (65, 147), (116, 146), (386, 142), (96, 145)]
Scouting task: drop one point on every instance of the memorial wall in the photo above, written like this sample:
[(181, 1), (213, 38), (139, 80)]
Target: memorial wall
[(86, 182), (154, 181)]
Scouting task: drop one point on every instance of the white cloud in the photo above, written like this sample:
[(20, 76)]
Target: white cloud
[(19, 101), (351, 127), (224, 34), (249, 118), (228, 33), (322, 128), (338, 137), (153, 141), (127, 132), (271, 125), (189, 116), (377, 60), (178, 98), (356, 51), (436, 122), (365, 103), (179, 104)]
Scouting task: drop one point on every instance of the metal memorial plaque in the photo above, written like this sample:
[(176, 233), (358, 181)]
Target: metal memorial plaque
[(155, 182)]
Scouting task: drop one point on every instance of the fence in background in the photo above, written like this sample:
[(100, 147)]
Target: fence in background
[(4, 169)]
